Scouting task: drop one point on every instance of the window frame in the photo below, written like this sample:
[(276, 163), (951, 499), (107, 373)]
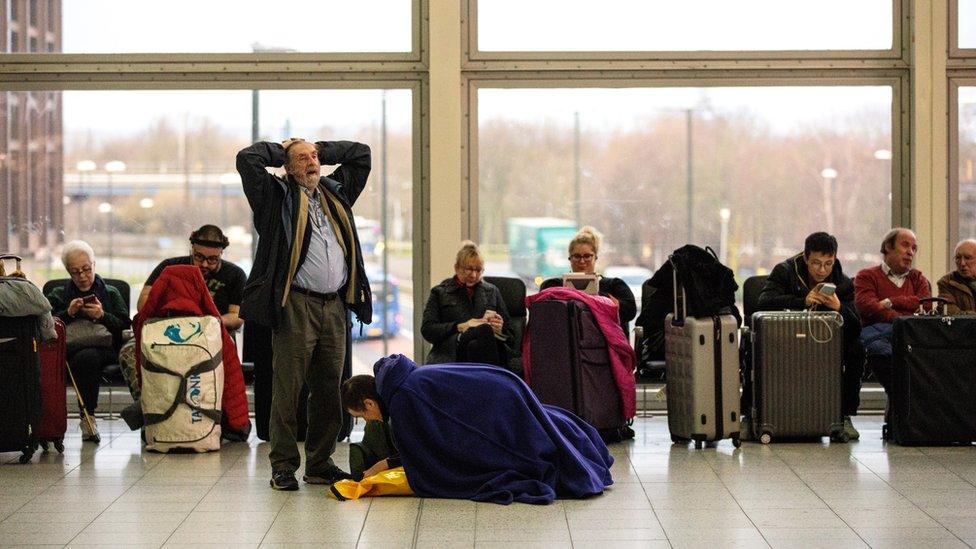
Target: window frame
[(962, 55), (901, 204), (472, 57)]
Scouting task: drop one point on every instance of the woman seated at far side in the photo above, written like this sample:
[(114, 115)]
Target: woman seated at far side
[(584, 250), (465, 318)]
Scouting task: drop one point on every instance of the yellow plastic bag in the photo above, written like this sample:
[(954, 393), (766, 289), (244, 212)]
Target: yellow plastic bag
[(392, 482)]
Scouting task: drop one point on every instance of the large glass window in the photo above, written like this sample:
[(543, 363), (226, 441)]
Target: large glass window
[(244, 26), (967, 160), (966, 20), (748, 171), (689, 25), (143, 169)]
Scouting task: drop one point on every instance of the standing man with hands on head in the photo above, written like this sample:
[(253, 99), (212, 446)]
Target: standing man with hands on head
[(308, 270)]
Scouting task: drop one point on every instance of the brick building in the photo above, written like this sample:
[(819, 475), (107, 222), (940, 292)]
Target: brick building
[(30, 135)]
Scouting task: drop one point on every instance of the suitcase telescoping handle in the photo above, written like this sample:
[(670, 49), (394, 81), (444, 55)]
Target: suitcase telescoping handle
[(679, 312), (937, 303), (3, 260)]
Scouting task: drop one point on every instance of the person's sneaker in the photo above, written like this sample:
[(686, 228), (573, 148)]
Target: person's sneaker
[(89, 432), (284, 480), (328, 476), (849, 429)]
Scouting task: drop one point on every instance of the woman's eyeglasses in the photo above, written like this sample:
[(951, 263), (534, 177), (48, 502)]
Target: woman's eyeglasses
[(87, 269), (582, 257)]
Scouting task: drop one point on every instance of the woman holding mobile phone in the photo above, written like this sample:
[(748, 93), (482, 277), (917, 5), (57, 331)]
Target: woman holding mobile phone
[(96, 311)]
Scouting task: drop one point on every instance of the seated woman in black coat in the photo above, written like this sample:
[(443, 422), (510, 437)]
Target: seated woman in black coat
[(583, 250), (465, 318)]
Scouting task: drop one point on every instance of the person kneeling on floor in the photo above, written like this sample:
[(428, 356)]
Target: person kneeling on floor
[(476, 431), (795, 285)]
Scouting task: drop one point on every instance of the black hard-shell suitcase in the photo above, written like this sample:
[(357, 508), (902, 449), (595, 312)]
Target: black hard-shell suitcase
[(570, 366), (933, 396), (20, 385), (796, 375)]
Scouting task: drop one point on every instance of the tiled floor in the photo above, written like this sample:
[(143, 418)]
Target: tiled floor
[(782, 495)]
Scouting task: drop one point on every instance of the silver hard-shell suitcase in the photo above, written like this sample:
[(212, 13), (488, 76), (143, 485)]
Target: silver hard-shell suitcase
[(702, 360), (796, 375)]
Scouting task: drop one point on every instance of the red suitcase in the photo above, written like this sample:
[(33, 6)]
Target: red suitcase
[(54, 408)]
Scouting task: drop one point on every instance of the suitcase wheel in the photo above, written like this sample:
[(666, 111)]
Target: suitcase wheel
[(885, 432), (43, 445), (840, 436), (675, 439), (766, 437), (736, 441), (699, 444), (59, 445), (26, 456)]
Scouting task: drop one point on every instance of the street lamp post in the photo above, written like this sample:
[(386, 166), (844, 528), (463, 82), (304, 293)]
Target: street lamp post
[(723, 245), (829, 175), (84, 167), (113, 167)]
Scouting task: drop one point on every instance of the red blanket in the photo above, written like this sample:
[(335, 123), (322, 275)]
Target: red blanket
[(622, 358), (181, 291)]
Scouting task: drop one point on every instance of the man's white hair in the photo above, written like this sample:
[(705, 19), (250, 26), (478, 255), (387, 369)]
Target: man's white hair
[(75, 247), (961, 243)]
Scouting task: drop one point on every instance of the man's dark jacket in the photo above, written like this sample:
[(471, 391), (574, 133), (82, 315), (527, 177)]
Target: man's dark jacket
[(787, 288), (274, 201)]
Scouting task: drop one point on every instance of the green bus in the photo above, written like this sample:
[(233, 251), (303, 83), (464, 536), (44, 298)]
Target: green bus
[(537, 246)]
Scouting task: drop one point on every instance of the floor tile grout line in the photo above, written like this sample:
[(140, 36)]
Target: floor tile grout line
[(197, 504), (735, 499), (850, 454), (127, 488), (915, 505), (416, 524), (649, 502)]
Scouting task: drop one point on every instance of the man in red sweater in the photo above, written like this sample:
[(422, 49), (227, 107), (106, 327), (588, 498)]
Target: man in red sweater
[(885, 292)]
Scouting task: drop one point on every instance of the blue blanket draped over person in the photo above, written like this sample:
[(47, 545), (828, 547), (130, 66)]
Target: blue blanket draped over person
[(474, 431)]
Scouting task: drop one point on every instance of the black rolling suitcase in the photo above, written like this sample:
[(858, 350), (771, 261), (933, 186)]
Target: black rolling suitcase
[(933, 394), (570, 366), (796, 375), (20, 385)]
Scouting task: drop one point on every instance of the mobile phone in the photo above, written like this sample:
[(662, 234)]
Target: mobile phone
[(90, 298), (827, 289)]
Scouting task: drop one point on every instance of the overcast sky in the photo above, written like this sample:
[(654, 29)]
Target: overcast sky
[(99, 26)]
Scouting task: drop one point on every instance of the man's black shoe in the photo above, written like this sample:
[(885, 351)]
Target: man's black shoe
[(328, 476), (284, 480)]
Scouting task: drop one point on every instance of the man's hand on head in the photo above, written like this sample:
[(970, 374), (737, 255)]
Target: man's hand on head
[(287, 142)]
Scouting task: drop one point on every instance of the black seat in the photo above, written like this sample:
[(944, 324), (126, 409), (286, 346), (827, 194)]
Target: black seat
[(513, 293), (750, 295)]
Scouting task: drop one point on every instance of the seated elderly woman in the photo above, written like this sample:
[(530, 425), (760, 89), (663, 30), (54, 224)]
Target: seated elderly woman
[(584, 250), (94, 315), (959, 286), (465, 318), (474, 431)]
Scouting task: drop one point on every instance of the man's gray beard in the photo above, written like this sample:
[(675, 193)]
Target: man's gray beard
[(308, 181)]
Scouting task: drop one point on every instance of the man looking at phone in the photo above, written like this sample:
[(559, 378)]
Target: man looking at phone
[(886, 292), (814, 280)]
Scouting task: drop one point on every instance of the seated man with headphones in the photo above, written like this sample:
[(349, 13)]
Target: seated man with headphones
[(224, 279)]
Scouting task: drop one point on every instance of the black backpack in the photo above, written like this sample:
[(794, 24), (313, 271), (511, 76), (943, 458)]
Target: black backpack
[(708, 285)]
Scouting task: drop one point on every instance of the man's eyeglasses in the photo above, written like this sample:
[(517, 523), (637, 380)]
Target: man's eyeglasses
[(582, 257), (209, 259), (87, 269), (826, 265), (473, 270)]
